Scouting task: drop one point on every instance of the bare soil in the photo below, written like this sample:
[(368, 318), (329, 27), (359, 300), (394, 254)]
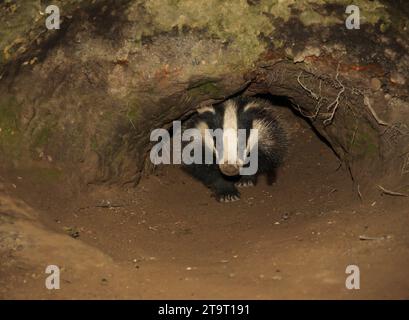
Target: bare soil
[(169, 239)]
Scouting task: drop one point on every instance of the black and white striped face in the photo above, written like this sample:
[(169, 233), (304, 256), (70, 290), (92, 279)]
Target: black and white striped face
[(232, 124)]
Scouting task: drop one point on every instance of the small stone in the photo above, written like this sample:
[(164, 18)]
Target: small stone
[(390, 53), (397, 78), (307, 52), (375, 84)]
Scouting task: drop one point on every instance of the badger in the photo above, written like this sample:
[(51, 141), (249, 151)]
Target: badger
[(224, 175)]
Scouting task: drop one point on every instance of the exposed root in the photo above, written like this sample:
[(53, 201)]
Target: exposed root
[(332, 107), (313, 116), (315, 96), (378, 120), (359, 192), (391, 193), (312, 94), (335, 104)]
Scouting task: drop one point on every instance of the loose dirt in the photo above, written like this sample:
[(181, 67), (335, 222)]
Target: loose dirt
[(168, 238)]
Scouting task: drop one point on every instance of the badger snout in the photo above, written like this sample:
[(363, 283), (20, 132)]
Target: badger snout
[(230, 169)]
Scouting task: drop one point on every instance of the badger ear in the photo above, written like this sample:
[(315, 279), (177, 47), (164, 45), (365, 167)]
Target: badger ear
[(251, 105), (206, 108)]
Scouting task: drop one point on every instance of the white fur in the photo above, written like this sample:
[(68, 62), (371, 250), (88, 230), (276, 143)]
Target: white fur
[(251, 105), (206, 109), (262, 128), (230, 138), (207, 136)]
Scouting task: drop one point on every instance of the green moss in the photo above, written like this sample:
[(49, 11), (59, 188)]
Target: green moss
[(94, 143), (133, 113), (10, 135), (9, 114), (363, 144), (234, 22), (207, 88), (41, 175), (372, 11), (42, 137), (310, 17), (47, 175)]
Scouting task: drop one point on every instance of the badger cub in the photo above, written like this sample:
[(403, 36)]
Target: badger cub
[(223, 174)]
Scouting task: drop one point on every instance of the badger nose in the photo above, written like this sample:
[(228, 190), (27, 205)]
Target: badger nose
[(229, 169)]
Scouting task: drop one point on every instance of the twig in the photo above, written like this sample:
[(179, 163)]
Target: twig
[(359, 192), (391, 193), (378, 120), (108, 204), (364, 237)]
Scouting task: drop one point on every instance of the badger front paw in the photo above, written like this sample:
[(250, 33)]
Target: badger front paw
[(246, 182), (228, 196)]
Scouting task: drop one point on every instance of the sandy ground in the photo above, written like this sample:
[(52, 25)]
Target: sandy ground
[(168, 238)]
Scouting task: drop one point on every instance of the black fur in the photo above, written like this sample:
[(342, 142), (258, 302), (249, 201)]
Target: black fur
[(269, 157)]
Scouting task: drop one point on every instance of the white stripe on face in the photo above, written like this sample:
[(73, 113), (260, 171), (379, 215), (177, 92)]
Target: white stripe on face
[(207, 136), (259, 126), (230, 134)]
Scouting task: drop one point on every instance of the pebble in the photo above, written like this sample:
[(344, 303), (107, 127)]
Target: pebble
[(397, 78), (390, 53), (375, 84)]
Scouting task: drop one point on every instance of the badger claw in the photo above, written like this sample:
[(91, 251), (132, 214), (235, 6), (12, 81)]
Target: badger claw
[(245, 184), (229, 198)]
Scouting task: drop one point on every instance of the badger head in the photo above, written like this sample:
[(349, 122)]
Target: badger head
[(231, 132)]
